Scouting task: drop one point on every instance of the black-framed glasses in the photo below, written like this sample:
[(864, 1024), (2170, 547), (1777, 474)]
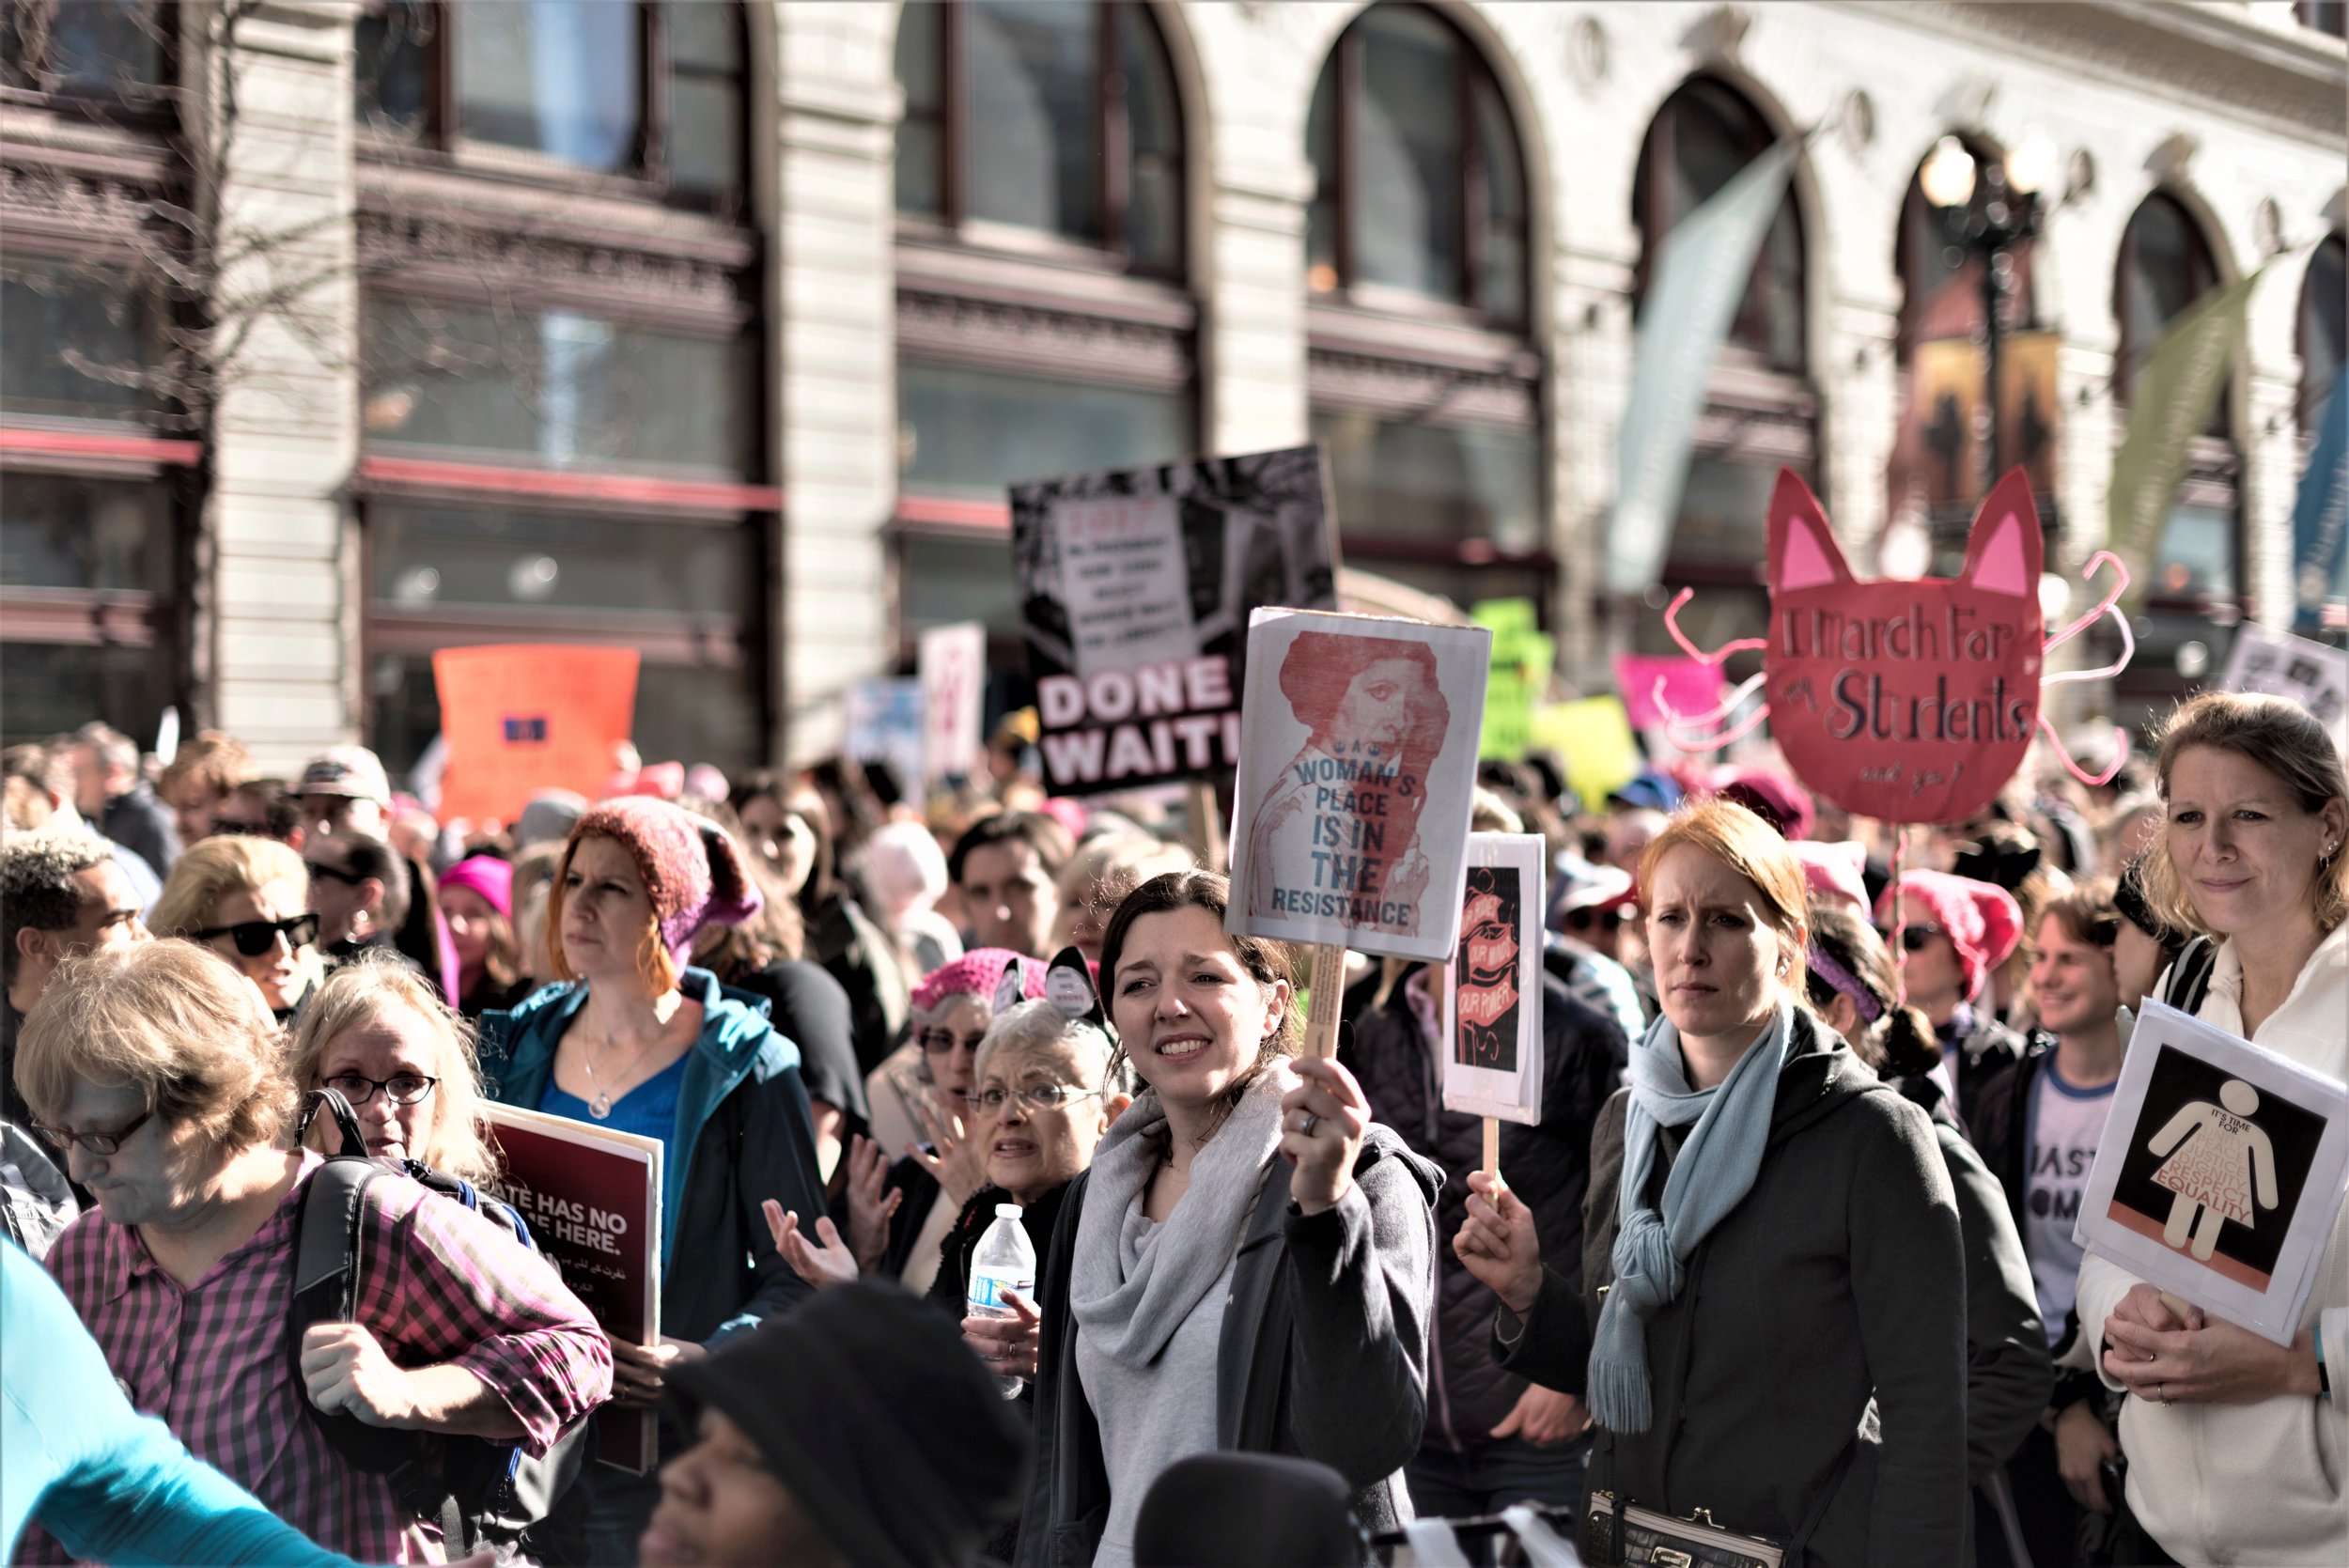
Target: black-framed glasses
[(400, 1088), (1036, 1097), (938, 1042), (256, 937), (97, 1143)]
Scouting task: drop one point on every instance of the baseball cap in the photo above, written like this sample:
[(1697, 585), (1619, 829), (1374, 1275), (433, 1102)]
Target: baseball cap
[(351, 770), (1651, 789)]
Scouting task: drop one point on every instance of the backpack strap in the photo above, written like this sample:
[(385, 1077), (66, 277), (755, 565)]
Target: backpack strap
[(2189, 975)]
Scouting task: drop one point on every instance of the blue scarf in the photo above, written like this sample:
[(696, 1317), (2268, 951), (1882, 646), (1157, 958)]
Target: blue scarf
[(1715, 1170)]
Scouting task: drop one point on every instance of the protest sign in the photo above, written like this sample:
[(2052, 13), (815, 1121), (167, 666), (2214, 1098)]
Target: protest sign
[(1358, 762), (2219, 1172), (1904, 701), (591, 1197), (1522, 658), (1689, 686), (1492, 1001), (522, 719), (884, 725), (1593, 736), (950, 662), (1137, 586), (2310, 674)]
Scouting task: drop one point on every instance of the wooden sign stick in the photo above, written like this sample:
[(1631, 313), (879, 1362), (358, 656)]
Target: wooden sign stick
[(1326, 989), (1492, 1149), (1206, 832)]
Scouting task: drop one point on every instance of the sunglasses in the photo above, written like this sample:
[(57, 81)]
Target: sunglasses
[(936, 1042), (256, 937), (333, 874), (1914, 938), (95, 1142), (1596, 920)]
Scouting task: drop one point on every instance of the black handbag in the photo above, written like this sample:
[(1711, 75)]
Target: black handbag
[(1624, 1530)]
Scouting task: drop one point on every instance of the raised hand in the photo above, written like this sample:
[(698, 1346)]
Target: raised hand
[(871, 1201), (957, 1157), (824, 1262), (1322, 1122), (1496, 1243)]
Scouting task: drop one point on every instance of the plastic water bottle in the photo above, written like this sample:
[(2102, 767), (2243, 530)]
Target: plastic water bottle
[(1005, 1261)]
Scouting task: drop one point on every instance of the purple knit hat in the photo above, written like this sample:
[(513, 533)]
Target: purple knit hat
[(694, 873)]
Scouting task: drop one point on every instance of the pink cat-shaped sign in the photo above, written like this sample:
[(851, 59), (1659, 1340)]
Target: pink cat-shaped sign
[(1904, 701)]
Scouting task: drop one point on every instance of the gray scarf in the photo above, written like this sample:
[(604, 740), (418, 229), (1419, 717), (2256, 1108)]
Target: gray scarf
[(1130, 1317), (1715, 1170)]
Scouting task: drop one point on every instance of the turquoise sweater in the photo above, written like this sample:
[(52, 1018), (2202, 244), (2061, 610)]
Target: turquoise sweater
[(114, 1486)]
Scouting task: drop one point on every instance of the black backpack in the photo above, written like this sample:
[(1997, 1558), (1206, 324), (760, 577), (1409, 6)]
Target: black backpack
[(479, 1491)]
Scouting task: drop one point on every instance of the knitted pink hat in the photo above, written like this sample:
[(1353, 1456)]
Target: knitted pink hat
[(488, 876), (1838, 870), (977, 972), (1981, 919), (694, 873)]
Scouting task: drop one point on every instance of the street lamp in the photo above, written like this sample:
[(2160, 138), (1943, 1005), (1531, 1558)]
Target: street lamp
[(2007, 214)]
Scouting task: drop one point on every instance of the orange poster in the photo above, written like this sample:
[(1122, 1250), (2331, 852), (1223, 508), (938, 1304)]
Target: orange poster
[(522, 719)]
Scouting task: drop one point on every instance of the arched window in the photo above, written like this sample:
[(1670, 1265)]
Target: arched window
[(2194, 596), (1040, 114), (1418, 184), (1426, 387), (2324, 304), (1761, 412), (1703, 135)]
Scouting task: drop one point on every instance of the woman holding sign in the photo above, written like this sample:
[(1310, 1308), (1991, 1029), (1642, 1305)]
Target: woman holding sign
[(2237, 1445), (1772, 1248), (1249, 1264), (637, 1041)]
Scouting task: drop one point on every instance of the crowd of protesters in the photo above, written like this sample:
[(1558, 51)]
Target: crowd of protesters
[(1790, 1249)]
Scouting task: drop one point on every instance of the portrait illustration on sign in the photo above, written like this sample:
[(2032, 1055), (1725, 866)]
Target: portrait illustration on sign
[(1344, 818), (1488, 958)]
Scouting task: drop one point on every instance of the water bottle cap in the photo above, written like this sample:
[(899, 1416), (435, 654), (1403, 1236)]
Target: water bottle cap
[(1009, 1211)]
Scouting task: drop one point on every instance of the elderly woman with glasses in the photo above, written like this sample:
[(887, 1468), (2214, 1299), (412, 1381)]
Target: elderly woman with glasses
[(247, 899)]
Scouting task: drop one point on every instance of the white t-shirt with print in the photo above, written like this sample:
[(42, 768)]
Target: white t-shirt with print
[(2065, 1123)]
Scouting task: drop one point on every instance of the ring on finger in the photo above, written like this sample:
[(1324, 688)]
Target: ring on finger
[(1310, 1122)]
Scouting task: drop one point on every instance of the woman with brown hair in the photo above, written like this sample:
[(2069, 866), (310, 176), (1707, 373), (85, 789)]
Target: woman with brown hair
[(1772, 1254), (1249, 1261), (248, 900), (2237, 1445)]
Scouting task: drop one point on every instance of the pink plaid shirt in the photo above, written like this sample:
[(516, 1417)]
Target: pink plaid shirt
[(441, 1284)]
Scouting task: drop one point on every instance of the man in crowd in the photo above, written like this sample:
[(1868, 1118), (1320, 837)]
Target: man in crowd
[(162, 1072), (2038, 1122), (344, 789), (199, 776), (41, 785), (111, 795), (1005, 868), (60, 893)]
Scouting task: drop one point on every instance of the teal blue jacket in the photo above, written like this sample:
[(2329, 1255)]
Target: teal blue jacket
[(111, 1484), (743, 1134)]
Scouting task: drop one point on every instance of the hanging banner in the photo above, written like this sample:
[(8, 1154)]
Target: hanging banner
[(2220, 1173), (1358, 764), (1945, 398), (522, 719), (1492, 999), (2030, 407), (950, 662), (1592, 734), (1702, 269), (1904, 701), (1138, 584), (1688, 685), (591, 1197), (2175, 391), (2310, 674), (884, 725), (2319, 518), (1523, 657)]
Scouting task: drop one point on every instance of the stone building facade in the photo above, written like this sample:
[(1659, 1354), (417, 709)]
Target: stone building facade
[(714, 330)]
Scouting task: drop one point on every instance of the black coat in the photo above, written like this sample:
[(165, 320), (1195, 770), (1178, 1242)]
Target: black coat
[(1824, 1313), (1548, 1166), (952, 1287), (1323, 1355)]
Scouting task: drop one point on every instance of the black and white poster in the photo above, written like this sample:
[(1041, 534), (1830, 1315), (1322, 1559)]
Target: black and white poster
[(2219, 1172), (1138, 584)]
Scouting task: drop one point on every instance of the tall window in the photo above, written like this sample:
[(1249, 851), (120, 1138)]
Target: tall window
[(648, 90), (1054, 116), (2324, 334), (563, 428), (95, 51), (1761, 411), (2195, 594), (1418, 184), (1425, 387), (1043, 322)]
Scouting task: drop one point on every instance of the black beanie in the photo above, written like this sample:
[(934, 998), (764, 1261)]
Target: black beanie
[(886, 1428)]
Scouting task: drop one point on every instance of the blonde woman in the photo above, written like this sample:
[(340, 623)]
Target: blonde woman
[(247, 899), (1096, 882)]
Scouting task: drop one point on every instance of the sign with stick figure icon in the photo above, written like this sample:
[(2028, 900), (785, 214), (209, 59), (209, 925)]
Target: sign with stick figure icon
[(2219, 1171)]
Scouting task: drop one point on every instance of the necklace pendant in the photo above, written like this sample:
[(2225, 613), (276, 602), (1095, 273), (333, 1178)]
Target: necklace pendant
[(600, 1108)]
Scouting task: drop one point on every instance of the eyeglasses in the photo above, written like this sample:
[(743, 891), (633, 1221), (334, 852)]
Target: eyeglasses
[(1036, 1097), (936, 1042), (95, 1142), (256, 937), (400, 1088), (1600, 920)]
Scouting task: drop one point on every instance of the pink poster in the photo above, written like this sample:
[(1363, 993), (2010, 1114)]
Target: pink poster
[(1689, 686)]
